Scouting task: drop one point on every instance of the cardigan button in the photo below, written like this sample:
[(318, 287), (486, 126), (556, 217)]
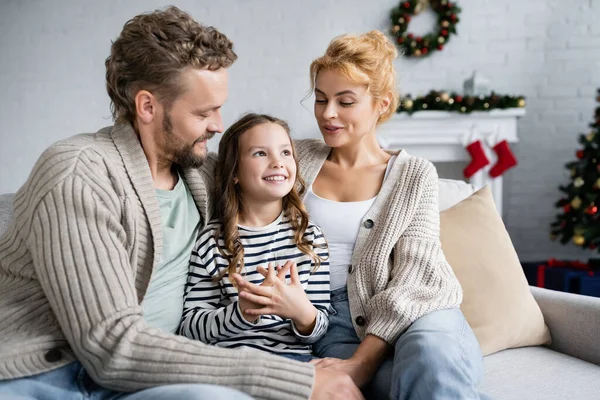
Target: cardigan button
[(368, 224), (53, 356), (360, 320), (350, 268)]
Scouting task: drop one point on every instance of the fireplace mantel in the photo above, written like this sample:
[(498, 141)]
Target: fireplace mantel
[(441, 136)]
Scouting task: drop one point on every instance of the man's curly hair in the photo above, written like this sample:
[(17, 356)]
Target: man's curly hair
[(151, 52)]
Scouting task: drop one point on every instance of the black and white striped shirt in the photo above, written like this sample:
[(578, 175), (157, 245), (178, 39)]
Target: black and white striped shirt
[(211, 311)]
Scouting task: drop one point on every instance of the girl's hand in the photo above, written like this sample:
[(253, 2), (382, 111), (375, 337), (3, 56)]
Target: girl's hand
[(270, 278), (286, 301)]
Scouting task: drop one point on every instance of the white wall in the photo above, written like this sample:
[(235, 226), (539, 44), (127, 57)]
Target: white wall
[(52, 76)]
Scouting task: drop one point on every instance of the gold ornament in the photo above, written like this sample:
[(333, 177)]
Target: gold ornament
[(420, 6), (444, 96), (408, 104), (441, 40), (576, 202), (486, 105), (400, 20), (418, 53), (578, 182), (463, 109), (578, 240), (521, 103), (451, 101), (598, 182), (424, 106), (590, 136), (396, 28), (413, 44), (445, 24), (573, 172)]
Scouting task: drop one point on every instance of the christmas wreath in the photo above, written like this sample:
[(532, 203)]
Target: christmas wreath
[(419, 46)]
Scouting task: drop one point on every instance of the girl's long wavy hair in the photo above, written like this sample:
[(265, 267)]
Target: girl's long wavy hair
[(228, 200)]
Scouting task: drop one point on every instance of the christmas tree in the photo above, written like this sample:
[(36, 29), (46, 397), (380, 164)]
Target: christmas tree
[(579, 221)]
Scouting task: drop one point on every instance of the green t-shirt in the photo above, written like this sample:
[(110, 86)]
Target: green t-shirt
[(163, 303)]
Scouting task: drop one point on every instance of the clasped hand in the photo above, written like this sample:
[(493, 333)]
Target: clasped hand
[(275, 297)]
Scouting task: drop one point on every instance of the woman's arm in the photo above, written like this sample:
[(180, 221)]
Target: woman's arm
[(421, 280)]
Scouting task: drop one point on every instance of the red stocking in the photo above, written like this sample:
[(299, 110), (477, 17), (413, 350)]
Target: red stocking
[(478, 159), (506, 159)]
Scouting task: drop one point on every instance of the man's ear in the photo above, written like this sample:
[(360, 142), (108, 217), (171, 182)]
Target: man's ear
[(146, 106)]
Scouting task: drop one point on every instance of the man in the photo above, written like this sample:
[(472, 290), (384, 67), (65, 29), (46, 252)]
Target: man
[(93, 267)]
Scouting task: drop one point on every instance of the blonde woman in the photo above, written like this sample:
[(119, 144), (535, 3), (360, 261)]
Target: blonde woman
[(395, 323)]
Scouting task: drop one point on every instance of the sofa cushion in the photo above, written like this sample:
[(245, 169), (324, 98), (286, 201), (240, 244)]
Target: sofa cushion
[(539, 373), (6, 201), (497, 301), (452, 192)]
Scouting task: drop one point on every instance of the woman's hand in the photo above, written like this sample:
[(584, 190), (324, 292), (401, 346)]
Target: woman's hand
[(270, 278), (360, 372), (286, 301)]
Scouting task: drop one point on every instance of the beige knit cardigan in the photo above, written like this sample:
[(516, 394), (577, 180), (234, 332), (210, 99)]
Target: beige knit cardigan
[(398, 272), (75, 264)]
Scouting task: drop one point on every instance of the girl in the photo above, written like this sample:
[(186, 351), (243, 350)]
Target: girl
[(261, 220)]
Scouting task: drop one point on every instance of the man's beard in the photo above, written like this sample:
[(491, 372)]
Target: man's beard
[(182, 154)]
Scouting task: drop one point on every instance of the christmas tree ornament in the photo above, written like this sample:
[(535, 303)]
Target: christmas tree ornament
[(591, 210), (506, 159), (580, 154), (578, 240), (590, 136), (576, 202), (578, 182)]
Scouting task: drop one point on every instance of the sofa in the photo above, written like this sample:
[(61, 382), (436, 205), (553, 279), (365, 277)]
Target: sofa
[(567, 369)]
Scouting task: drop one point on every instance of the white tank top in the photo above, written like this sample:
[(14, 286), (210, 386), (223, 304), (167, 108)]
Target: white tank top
[(340, 222)]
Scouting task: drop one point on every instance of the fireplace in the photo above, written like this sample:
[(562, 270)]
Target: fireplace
[(441, 136)]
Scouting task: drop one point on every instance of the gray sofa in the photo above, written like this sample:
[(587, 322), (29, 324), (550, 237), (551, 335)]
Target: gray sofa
[(568, 369)]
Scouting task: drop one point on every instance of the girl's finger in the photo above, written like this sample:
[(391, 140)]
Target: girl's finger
[(260, 311), (271, 271), (264, 301), (265, 291), (294, 274), (284, 270), (262, 270)]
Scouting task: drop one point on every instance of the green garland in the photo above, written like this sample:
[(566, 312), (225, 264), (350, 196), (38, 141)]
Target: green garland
[(420, 46), (444, 101)]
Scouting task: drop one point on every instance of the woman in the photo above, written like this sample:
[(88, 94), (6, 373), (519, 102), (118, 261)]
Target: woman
[(395, 322)]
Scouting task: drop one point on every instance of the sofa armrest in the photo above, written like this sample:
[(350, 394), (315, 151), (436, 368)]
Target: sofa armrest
[(574, 322)]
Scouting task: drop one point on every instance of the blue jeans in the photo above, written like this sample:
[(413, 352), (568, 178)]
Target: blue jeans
[(438, 357), (297, 357), (72, 382)]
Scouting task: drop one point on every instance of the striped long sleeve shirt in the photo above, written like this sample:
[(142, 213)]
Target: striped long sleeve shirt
[(211, 311)]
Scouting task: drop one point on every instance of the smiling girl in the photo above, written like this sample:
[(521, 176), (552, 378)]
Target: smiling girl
[(261, 221)]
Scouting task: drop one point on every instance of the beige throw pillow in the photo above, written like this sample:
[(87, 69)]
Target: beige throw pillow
[(497, 301)]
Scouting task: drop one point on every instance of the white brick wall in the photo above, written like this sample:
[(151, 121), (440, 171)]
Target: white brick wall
[(52, 77)]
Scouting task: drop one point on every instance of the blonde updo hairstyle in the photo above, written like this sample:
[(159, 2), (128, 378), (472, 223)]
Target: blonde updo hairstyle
[(365, 59)]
